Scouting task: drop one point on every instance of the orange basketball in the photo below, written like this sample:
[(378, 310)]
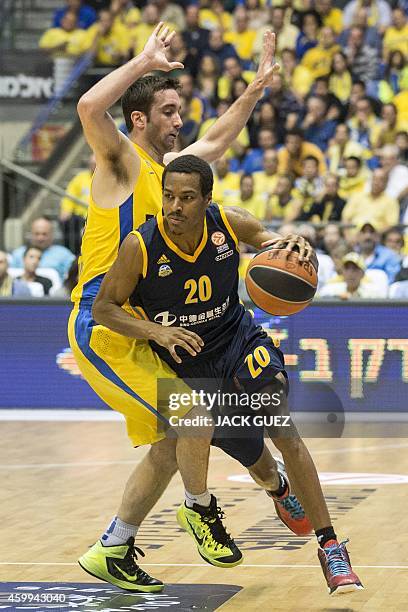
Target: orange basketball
[(281, 284)]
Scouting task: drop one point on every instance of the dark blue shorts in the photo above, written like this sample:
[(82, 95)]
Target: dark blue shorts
[(248, 365)]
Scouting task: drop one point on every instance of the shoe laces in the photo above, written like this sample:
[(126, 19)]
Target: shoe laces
[(213, 520), (337, 560), (129, 560), (292, 505)]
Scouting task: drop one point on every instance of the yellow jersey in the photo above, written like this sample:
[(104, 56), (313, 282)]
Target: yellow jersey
[(106, 228)]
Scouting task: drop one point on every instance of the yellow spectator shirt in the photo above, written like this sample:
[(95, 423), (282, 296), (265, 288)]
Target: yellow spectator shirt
[(318, 60), (226, 190), (396, 40), (243, 42), (58, 36), (287, 165), (382, 211), (80, 187)]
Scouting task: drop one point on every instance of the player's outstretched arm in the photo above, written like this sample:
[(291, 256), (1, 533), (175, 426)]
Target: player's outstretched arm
[(226, 129), (116, 288), (104, 138), (250, 230)]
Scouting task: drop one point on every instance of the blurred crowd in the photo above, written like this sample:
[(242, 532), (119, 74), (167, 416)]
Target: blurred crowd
[(325, 153)]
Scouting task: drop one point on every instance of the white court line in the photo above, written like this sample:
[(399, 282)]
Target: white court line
[(252, 565)]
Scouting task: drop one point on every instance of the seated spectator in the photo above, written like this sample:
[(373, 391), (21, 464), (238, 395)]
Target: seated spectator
[(170, 12), (61, 41), (393, 239), (316, 127), (189, 130), (332, 238), (125, 13), (72, 214), (355, 178), (38, 285), (363, 60), (249, 200), (399, 288), (9, 286), (178, 52), (111, 42), (286, 33), (379, 13), (342, 148), (326, 264), (397, 174), (140, 32), (310, 22), (64, 292), (85, 15), (232, 71), (377, 206), (336, 111), (331, 16), (195, 37), (296, 77), (385, 131), (340, 80), (241, 36), (266, 118), (215, 17), (218, 48), (328, 205), (192, 96), (376, 256), (394, 77), (282, 201), (266, 179), (207, 77), (307, 189), (296, 149), (396, 36), (257, 13), (226, 183), (287, 106), (318, 60), (253, 161), (372, 37), (401, 141), (353, 282), (53, 255), (363, 122)]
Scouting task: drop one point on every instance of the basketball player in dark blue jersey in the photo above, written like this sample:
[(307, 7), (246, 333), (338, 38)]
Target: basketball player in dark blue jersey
[(180, 272)]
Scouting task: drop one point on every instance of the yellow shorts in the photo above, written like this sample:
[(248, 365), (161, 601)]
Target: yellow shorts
[(123, 372)]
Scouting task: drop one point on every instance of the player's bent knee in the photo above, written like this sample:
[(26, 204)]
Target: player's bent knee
[(163, 455)]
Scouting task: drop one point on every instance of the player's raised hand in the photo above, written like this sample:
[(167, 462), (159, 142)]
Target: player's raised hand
[(170, 337), (292, 242), (155, 49), (267, 65)]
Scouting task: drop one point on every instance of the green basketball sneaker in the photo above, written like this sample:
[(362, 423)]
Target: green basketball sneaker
[(117, 565), (214, 544)]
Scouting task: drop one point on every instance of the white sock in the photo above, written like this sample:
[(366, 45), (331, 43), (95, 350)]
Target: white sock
[(118, 532), (204, 499)]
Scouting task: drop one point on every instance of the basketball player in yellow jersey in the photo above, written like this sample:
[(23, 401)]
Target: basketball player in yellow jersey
[(126, 189)]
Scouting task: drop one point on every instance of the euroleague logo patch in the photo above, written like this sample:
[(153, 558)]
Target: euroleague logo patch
[(218, 238)]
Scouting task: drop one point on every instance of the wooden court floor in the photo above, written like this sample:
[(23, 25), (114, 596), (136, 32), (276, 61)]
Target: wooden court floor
[(60, 483)]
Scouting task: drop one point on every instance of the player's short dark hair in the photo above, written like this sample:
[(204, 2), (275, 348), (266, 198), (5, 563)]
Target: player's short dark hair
[(140, 95), (190, 164)]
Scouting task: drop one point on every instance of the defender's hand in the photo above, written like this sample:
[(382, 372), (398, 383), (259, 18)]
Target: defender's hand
[(292, 242), (170, 337), (155, 48), (267, 65)]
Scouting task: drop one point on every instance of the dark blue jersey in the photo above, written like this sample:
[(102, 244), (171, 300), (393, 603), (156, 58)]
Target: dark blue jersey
[(198, 292)]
